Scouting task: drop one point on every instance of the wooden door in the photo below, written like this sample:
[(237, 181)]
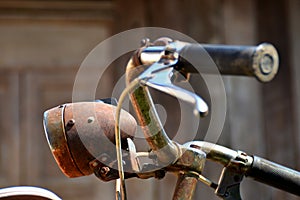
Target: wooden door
[(43, 44), (9, 135)]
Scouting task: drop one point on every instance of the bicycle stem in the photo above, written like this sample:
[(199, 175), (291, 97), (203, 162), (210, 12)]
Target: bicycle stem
[(166, 150)]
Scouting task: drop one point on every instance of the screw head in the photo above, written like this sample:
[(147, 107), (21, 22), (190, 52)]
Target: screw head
[(145, 42), (90, 119), (266, 64), (71, 122), (104, 170)]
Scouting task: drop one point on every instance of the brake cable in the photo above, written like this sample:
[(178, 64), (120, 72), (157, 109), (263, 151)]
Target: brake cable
[(120, 183)]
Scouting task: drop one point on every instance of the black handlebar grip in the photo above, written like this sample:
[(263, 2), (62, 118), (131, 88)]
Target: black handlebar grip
[(259, 61), (275, 175)]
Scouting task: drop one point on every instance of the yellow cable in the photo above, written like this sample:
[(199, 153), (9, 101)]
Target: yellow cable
[(134, 84)]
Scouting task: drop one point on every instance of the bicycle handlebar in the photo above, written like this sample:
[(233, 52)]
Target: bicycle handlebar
[(259, 169), (259, 61), (275, 175)]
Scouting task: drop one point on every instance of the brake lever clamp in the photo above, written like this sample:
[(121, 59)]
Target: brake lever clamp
[(163, 61)]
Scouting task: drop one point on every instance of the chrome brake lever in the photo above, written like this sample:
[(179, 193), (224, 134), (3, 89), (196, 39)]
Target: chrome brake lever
[(158, 76)]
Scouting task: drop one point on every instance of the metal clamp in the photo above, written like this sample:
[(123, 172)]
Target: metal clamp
[(163, 60), (232, 175)]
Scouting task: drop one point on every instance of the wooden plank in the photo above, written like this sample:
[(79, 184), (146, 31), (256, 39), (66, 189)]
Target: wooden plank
[(278, 97), (10, 166), (63, 10), (294, 16), (34, 46), (243, 94)]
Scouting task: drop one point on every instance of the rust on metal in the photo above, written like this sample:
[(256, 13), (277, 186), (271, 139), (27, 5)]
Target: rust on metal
[(80, 132), (166, 150), (185, 187), (55, 133)]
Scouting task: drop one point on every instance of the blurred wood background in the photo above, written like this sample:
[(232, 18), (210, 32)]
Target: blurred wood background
[(43, 42)]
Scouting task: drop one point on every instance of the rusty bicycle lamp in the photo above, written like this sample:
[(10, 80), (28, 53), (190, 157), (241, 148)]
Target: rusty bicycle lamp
[(79, 133)]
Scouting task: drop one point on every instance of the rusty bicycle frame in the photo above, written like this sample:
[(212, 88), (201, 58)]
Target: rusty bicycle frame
[(152, 66)]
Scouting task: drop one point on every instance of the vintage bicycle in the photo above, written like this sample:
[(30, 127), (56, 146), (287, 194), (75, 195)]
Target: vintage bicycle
[(98, 137)]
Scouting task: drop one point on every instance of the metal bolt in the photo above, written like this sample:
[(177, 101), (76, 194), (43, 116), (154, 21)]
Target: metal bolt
[(70, 123), (104, 170), (94, 164), (145, 42), (90, 119)]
